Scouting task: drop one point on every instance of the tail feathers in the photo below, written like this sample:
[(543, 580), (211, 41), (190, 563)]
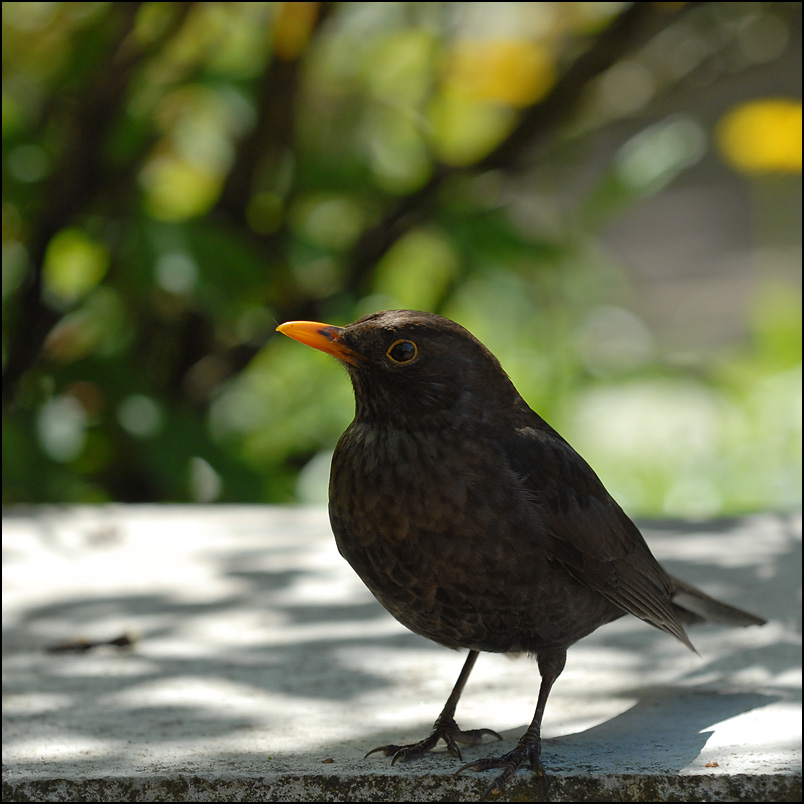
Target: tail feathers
[(694, 606)]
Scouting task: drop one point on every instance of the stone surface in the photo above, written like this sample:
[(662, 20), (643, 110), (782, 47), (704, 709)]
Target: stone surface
[(263, 670)]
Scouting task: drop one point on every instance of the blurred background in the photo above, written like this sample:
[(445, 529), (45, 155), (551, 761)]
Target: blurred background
[(607, 194)]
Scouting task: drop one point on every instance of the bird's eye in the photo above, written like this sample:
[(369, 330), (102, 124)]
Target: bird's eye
[(402, 351)]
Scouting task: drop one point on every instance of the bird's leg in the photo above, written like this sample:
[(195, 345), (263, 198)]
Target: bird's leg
[(445, 728), (529, 747)]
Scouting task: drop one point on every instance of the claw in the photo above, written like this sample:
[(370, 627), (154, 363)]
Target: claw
[(387, 750), (446, 730), (475, 736), (415, 751), (453, 750), (510, 762)]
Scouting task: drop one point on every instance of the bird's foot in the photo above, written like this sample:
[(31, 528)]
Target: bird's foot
[(445, 729), (527, 750)]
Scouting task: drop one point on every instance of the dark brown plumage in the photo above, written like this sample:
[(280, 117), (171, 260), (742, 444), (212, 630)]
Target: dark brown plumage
[(474, 522)]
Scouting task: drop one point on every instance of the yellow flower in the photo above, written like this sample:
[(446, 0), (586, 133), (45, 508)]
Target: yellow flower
[(515, 72), (762, 136)]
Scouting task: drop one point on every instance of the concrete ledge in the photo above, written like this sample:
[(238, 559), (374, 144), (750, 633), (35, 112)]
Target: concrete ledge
[(427, 787), (264, 671)]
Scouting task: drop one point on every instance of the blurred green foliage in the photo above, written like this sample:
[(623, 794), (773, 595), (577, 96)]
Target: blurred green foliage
[(179, 178)]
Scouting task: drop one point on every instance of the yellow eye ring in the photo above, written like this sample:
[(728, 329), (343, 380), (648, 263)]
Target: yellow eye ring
[(402, 351)]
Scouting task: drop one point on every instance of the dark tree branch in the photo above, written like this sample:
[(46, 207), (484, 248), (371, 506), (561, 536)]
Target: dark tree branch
[(276, 97), (631, 30), (75, 183)]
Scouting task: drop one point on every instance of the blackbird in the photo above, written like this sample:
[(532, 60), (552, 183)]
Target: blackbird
[(474, 523)]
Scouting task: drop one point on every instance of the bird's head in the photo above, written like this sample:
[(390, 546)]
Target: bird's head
[(414, 367)]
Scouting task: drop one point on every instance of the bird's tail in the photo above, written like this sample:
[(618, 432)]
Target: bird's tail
[(694, 606)]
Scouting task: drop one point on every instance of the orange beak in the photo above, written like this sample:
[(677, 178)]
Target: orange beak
[(324, 337)]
